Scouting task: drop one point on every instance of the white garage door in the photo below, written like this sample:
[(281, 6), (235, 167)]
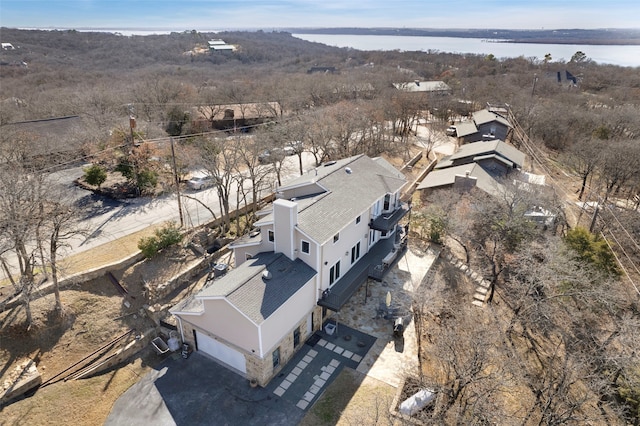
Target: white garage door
[(221, 352)]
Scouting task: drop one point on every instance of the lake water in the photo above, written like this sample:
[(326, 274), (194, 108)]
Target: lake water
[(627, 56)]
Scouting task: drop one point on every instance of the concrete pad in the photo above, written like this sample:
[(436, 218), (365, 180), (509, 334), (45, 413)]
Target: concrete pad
[(308, 396), (325, 376), (296, 371), (338, 350), (302, 404), (330, 346), (307, 359), (285, 384), (334, 363), (347, 354), (320, 382), (302, 364), (312, 353), (279, 391)]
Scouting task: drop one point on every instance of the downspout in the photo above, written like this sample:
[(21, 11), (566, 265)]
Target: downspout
[(181, 330)]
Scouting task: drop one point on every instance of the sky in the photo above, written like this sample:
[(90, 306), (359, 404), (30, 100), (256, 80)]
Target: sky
[(181, 15)]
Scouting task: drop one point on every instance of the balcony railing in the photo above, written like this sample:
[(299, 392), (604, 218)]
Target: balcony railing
[(387, 221)]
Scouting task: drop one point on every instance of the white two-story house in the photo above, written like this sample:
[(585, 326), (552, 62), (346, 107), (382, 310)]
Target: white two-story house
[(328, 231)]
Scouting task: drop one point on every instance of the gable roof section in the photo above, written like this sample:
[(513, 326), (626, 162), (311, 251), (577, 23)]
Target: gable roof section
[(485, 116), (353, 185), (466, 128), (482, 149), (247, 290), (446, 177)]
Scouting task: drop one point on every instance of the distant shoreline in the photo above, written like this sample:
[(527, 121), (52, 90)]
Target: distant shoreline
[(613, 37)]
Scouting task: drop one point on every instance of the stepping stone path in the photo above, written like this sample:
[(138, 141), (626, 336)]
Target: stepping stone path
[(482, 285), (320, 380)]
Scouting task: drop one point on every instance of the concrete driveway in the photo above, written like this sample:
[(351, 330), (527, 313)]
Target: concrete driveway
[(199, 391)]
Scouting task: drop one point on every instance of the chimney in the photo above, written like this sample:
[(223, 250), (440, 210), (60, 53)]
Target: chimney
[(285, 218)]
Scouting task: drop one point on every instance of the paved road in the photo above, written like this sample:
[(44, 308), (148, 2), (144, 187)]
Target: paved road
[(108, 220)]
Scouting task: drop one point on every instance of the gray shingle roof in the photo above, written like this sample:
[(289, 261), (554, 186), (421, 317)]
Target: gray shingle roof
[(252, 294), (485, 116), (446, 177), (475, 149), (469, 127), (349, 194)]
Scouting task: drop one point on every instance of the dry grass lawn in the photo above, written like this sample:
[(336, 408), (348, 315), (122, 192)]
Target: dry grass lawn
[(353, 399)]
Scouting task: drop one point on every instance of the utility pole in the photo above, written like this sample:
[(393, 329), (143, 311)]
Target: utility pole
[(177, 181), (595, 216), (535, 80), (132, 122)]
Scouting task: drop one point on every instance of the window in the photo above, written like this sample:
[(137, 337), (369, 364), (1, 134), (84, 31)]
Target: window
[(296, 337), (271, 236), (334, 273), (355, 253), (387, 202), (357, 220), (276, 357), (305, 247), (336, 238)]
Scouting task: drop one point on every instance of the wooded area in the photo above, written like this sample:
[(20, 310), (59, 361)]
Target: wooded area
[(564, 314)]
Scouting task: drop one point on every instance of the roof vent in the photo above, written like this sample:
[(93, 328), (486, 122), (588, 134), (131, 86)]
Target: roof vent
[(266, 275), (347, 170)]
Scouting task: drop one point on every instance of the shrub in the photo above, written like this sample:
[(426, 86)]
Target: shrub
[(162, 238), (95, 175), (592, 249)]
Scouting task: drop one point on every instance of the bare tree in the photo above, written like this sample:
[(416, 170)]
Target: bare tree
[(583, 157)]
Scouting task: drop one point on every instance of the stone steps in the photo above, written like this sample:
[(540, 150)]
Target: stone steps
[(482, 286)]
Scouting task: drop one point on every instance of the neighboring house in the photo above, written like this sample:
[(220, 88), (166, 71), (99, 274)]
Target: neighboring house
[(564, 77), (54, 138), (483, 125), (220, 45), (461, 178), (235, 116), (326, 234), (7, 46), (430, 87), (492, 155), (478, 164)]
